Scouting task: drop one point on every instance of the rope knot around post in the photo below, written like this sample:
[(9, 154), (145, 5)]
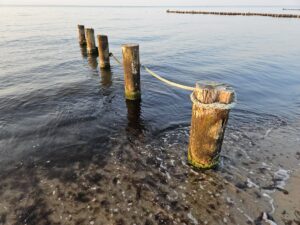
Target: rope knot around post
[(211, 95), (211, 106)]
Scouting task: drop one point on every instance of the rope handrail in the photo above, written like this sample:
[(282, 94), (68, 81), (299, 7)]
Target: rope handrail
[(171, 83)]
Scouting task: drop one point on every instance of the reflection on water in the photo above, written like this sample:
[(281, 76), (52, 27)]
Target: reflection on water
[(93, 62), (135, 124), (83, 51), (106, 77)]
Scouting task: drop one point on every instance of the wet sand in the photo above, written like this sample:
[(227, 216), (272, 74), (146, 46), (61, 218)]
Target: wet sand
[(141, 181), (288, 204)]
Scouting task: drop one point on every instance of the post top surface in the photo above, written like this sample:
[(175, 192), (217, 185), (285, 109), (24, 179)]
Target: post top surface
[(101, 36), (212, 85), (131, 45), (209, 92), (81, 26), (89, 29)]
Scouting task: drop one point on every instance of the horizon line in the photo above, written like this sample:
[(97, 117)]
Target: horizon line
[(69, 5)]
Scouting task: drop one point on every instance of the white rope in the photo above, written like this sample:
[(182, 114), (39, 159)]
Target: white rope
[(215, 105), (171, 83)]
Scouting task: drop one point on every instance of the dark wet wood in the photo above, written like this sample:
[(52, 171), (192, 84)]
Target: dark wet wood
[(81, 35), (131, 64), (90, 41), (103, 50)]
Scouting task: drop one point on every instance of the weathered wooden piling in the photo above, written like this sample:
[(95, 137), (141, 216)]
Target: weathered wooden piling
[(103, 50), (90, 41), (211, 107), (131, 64), (81, 35)]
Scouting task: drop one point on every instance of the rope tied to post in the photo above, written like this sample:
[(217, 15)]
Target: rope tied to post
[(152, 73), (207, 127), (213, 95), (115, 58), (221, 95), (171, 83)]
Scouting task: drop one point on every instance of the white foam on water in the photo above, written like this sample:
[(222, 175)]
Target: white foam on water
[(282, 175), (265, 218), (271, 201), (244, 214), (268, 132), (192, 218), (251, 184)]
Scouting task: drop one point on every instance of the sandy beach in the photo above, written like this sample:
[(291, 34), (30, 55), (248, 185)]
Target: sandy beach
[(287, 203)]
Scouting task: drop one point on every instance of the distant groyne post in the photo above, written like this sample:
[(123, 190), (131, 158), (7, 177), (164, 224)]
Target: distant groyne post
[(211, 107), (90, 41), (103, 50), (81, 35), (235, 13), (131, 64)]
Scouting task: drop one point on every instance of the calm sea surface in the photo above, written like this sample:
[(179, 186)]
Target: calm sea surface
[(73, 151)]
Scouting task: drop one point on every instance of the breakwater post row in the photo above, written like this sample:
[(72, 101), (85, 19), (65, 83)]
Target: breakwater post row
[(212, 102), (234, 13)]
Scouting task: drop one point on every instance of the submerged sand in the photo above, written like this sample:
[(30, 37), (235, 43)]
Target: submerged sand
[(130, 180)]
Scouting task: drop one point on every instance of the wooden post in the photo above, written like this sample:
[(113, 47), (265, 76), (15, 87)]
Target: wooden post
[(90, 41), (211, 107), (103, 49), (131, 64), (81, 35), (135, 125)]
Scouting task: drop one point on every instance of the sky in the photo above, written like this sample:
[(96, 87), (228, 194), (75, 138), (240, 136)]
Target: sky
[(151, 2)]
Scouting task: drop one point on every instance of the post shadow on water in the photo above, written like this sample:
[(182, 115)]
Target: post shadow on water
[(135, 125)]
